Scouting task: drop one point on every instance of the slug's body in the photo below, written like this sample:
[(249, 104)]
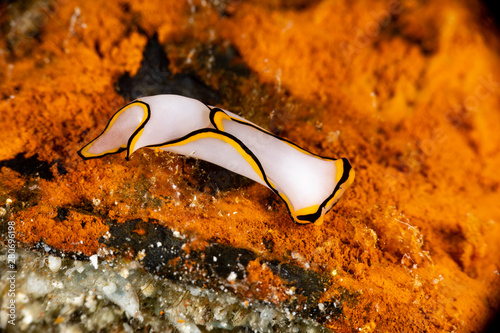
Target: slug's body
[(310, 185)]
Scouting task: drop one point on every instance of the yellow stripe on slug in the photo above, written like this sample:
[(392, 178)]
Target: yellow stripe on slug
[(339, 165), (218, 117)]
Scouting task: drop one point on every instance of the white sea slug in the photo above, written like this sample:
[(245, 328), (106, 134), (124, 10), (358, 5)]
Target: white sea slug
[(310, 185)]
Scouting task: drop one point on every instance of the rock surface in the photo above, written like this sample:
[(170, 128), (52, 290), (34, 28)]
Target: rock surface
[(407, 90)]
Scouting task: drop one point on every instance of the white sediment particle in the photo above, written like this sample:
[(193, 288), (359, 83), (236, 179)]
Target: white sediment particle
[(69, 272), (54, 263), (195, 291), (177, 234), (79, 266), (94, 261), (127, 328), (76, 300), (29, 315), (267, 314), (141, 254), (38, 286), (71, 328), (119, 291), (232, 276), (124, 272), (148, 289), (104, 252), (22, 298), (91, 303), (109, 288), (57, 284)]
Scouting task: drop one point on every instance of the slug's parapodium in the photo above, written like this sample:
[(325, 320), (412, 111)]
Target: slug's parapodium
[(310, 185)]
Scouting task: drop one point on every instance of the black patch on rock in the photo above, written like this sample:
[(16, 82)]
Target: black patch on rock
[(137, 235), (29, 166), (307, 282), (62, 214), (224, 259), (215, 178), (491, 12), (160, 252)]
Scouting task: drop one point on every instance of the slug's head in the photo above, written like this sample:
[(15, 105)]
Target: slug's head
[(316, 214), (121, 132)]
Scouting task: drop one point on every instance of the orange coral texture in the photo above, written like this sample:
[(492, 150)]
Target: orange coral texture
[(408, 91)]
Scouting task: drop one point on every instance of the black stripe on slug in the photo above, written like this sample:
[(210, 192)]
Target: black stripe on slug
[(99, 156), (138, 129), (213, 112)]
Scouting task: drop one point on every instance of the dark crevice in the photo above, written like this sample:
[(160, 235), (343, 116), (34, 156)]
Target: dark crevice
[(154, 78)]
